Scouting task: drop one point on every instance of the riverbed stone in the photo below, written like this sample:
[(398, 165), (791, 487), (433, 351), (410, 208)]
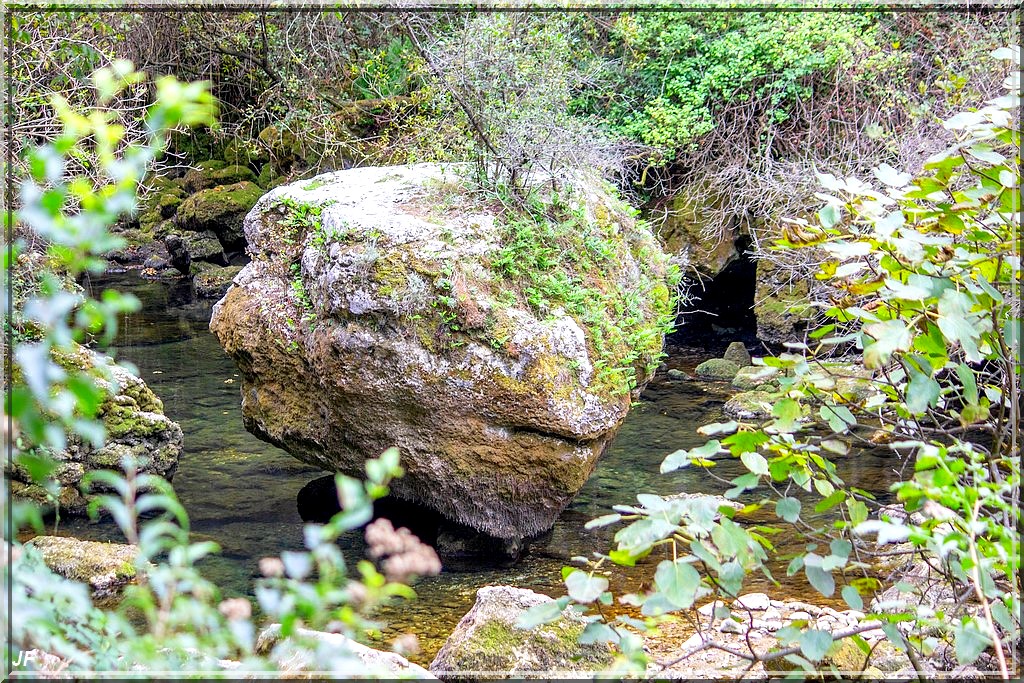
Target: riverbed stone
[(369, 318), (717, 368), (309, 650), (106, 568), (749, 405), (216, 172), (738, 354), (135, 424), (754, 376), (754, 601), (219, 210), (487, 639)]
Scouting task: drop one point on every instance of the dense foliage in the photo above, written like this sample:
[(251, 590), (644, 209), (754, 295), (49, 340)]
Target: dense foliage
[(931, 274)]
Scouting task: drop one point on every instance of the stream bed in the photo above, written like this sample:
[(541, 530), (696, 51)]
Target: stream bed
[(242, 492)]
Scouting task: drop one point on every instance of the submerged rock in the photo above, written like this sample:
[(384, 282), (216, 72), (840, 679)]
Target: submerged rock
[(135, 424), (487, 640), (105, 567), (371, 316)]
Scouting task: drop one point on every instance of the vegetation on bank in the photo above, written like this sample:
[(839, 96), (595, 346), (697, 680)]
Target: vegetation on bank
[(929, 268)]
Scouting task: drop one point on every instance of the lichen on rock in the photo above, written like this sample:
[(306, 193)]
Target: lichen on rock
[(376, 314)]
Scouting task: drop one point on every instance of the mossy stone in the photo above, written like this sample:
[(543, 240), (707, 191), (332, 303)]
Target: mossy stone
[(718, 369), (220, 210), (738, 354), (750, 405), (753, 376)]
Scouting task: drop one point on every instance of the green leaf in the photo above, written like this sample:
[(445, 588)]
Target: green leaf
[(743, 442), (642, 533), (815, 644), (922, 392), (544, 613), (969, 641), (818, 577), (839, 418), (585, 588), (678, 581), (852, 598), (718, 428), (968, 382), (603, 520), (787, 413), (835, 498), (829, 215), (755, 462), (959, 326), (742, 483), (891, 177), (788, 509), (885, 337), (597, 632), (858, 511)]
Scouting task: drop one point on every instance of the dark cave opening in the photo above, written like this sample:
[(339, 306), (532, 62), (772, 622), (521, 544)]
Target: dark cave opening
[(720, 309)]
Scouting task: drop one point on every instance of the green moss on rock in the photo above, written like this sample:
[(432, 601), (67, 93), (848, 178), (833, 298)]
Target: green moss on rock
[(718, 369), (220, 210)]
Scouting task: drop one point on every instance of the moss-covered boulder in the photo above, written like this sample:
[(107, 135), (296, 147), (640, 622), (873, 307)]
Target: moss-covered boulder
[(704, 246), (750, 405), (106, 568), (487, 639), (207, 174), (753, 376), (135, 424), (204, 246), (220, 210), (499, 351), (717, 368), (213, 281)]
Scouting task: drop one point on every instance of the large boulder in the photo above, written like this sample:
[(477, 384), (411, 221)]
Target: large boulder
[(391, 307), (487, 640), (135, 424)]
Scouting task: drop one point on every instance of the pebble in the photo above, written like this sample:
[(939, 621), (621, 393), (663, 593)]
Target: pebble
[(797, 605), (800, 615), (754, 601), (731, 626), (709, 609)]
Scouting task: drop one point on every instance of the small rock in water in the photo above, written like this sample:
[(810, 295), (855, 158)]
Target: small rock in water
[(738, 354), (678, 374), (718, 368)]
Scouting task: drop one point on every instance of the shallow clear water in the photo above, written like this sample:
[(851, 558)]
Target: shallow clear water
[(241, 492)]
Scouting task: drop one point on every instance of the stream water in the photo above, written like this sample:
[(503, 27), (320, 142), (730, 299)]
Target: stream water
[(242, 492)]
